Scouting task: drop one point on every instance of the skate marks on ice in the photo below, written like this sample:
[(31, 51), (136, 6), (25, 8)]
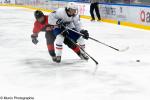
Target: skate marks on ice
[(38, 62), (116, 83), (75, 65)]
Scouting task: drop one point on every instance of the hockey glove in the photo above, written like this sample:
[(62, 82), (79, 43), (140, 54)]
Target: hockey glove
[(62, 24), (49, 28), (65, 33), (85, 34), (34, 39)]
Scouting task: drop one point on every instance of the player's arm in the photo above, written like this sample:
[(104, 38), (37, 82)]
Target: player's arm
[(36, 31), (77, 24), (53, 18)]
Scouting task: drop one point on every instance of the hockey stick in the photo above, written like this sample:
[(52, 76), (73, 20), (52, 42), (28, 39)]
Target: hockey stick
[(66, 30), (121, 50), (96, 62)]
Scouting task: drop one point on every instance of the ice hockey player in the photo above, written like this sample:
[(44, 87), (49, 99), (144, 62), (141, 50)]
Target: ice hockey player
[(41, 24), (69, 17)]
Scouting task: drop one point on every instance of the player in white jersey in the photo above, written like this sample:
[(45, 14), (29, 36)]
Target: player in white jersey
[(69, 17)]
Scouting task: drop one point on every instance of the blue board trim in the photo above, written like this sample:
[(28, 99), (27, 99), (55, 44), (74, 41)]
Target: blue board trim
[(131, 5), (119, 4)]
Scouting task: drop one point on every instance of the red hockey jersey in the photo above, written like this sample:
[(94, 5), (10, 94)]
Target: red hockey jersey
[(40, 26)]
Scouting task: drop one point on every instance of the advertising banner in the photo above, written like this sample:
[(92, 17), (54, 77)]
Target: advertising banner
[(144, 16), (133, 14), (83, 9), (114, 12), (7, 1)]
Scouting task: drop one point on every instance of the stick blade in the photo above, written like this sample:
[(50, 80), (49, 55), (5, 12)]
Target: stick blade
[(125, 49)]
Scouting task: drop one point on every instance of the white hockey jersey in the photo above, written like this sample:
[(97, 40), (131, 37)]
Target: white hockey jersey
[(60, 13)]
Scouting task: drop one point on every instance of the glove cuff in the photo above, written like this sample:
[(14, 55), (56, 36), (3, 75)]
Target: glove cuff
[(34, 36)]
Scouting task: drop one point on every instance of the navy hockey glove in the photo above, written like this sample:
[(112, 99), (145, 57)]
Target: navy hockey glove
[(65, 33), (34, 39), (85, 34), (62, 24), (59, 22)]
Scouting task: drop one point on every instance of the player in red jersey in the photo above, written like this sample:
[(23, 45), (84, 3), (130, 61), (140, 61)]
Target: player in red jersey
[(41, 24)]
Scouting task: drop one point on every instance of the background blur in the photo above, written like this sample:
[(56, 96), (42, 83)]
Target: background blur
[(143, 2)]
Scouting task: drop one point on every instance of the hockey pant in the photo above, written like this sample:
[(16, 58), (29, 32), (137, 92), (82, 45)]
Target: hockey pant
[(59, 44), (50, 38)]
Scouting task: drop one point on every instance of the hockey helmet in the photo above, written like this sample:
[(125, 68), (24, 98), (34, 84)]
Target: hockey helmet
[(72, 5), (72, 9), (38, 14)]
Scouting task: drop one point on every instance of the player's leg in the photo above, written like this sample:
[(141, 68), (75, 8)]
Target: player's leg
[(73, 36), (50, 38), (72, 45), (92, 11), (97, 11), (59, 46), (81, 43)]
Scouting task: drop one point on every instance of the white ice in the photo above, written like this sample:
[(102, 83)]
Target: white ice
[(27, 69)]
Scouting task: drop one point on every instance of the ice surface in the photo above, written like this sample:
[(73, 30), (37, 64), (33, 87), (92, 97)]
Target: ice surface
[(27, 70)]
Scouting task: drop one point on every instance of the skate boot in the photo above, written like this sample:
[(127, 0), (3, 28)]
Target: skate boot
[(54, 58), (83, 56), (58, 59)]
